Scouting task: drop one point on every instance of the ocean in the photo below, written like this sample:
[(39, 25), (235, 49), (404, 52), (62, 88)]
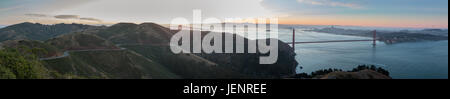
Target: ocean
[(417, 60)]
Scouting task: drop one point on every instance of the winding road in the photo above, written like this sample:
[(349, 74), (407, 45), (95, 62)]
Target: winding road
[(67, 53)]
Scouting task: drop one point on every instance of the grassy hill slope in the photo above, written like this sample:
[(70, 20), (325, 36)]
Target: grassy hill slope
[(186, 65), (80, 41), (110, 64)]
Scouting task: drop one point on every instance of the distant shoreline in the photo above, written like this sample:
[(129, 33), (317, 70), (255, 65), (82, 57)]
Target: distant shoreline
[(390, 37)]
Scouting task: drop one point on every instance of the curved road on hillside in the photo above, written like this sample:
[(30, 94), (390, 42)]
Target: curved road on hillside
[(67, 53)]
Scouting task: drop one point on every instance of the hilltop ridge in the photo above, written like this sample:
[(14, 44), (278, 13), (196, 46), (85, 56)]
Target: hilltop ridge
[(37, 31)]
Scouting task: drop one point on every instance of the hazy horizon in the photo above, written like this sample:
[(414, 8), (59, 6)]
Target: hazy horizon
[(337, 26), (366, 13)]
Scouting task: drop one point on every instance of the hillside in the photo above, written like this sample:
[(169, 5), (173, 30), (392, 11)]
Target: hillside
[(391, 37), (129, 33), (93, 63), (109, 65), (80, 41), (94, 57), (49, 49), (36, 31), (135, 51), (21, 64), (156, 35), (364, 74), (186, 65), (248, 63), (359, 72)]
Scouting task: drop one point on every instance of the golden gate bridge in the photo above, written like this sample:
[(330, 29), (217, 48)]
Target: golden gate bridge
[(373, 40)]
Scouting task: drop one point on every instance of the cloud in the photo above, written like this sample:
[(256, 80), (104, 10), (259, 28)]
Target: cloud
[(77, 17), (67, 16), (91, 19), (63, 18), (5, 9), (36, 15), (331, 3)]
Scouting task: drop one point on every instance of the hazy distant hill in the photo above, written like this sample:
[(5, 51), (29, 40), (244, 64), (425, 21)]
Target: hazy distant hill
[(36, 31), (437, 32), (390, 37)]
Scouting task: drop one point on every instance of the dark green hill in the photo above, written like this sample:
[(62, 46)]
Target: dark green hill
[(36, 31)]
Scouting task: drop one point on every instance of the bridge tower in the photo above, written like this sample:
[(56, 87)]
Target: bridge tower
[(374, 37), (293, 38)]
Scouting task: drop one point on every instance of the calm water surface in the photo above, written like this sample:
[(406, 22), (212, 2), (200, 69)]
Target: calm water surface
[(422, 60)]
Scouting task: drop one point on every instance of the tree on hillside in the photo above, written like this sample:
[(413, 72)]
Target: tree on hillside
[(21, 63)]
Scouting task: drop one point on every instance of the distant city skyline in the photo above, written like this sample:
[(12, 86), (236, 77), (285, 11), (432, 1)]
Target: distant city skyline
[(373, 13)]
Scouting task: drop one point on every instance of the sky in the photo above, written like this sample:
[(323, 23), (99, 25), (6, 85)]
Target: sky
[(379, 13)]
